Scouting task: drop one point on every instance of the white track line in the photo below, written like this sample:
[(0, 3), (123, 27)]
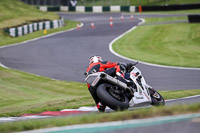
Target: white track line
[(145, 63), (183, 98), (1, 65)]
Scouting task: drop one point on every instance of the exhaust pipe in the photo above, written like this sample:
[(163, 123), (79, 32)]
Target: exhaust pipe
[(114, 81)]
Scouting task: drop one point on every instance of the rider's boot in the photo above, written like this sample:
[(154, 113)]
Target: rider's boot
[(101, 107)]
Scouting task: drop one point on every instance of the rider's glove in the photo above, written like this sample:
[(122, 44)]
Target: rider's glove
[(123, 68), (86, 74), (129, 67)]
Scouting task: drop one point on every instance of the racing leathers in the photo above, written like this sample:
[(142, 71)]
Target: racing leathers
[(110, 68)]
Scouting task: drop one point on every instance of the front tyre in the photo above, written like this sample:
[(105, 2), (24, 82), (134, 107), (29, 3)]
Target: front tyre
[(157, 99), (110, 96)]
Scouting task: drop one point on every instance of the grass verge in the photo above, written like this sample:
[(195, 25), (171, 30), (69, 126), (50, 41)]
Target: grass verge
[(165, 44), (164, 19), (99, 117), (15, 12), (179, 94), (26, 93)]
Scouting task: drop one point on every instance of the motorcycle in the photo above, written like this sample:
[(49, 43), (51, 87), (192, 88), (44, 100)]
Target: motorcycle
[(120, 96)]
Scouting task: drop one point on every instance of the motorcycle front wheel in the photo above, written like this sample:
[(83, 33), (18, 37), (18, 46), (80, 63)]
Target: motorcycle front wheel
[(157, 99), (112, 97)]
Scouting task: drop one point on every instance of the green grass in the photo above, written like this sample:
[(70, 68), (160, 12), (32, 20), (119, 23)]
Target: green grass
[(165, 44), (99, 117), (166, 19), (25, 93), (15, 12), (178, 94)]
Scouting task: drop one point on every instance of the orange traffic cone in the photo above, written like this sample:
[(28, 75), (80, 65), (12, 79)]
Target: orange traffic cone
[(92, 25), (122, 18), (78, 27), (111, 24), (111, 18), (132, 17)]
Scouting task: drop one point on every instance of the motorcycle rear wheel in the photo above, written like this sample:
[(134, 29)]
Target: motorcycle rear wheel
[(157, 99), (116, 101)]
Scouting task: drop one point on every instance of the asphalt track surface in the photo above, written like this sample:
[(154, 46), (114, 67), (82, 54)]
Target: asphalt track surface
[(65, 56)]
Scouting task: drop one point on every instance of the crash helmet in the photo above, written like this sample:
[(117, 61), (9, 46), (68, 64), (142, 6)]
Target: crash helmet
[(95, 59)]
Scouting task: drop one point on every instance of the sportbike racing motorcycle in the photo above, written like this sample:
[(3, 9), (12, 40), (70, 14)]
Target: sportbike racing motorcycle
[(119, 96)]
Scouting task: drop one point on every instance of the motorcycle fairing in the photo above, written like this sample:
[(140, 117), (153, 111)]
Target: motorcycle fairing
[(142, 95)]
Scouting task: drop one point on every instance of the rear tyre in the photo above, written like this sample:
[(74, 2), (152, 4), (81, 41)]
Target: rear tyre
[(157, 99), (112, 98)]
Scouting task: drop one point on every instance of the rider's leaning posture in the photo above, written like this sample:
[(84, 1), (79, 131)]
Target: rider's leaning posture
[(96, 64)]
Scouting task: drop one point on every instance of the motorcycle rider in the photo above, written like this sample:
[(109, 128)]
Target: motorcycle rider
[(96, 64)]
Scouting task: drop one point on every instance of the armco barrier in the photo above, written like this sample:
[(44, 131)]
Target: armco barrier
[(118, 8), (115, 8), (80, 8), (53, 8), (106, 9), (94, 9), (125, 8), (36, 26), (97, 9), (194, 18), (88, 9)]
